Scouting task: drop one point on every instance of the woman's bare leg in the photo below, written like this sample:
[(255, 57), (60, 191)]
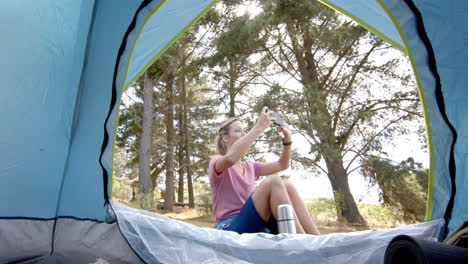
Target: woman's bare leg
[(269, 195), (301, 210)]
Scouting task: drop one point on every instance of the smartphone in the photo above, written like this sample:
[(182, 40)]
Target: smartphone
[(278, 119)]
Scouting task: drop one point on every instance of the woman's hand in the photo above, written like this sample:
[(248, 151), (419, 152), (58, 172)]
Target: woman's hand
[(286, 132), (264, 119)]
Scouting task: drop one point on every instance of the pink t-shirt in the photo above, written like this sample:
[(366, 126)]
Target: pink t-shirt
[(229, 190)]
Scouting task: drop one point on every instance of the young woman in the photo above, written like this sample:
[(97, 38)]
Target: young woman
[(239, 205)]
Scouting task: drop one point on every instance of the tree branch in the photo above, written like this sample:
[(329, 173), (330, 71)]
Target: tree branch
[(345, 93), (362, 150), (279, 63)]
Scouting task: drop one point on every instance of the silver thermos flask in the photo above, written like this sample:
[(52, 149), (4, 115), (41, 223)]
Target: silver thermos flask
[(286, 222)]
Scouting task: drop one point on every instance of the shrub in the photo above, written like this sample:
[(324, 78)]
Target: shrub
[(121, 189), (323, 212), (202, 193)]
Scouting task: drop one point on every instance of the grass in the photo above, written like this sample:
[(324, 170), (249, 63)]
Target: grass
[(323, 213)]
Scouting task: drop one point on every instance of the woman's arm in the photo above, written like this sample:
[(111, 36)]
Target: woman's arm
[(269, 168), (242, 145)]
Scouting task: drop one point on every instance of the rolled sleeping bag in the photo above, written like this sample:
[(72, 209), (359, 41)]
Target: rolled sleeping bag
[(406, 249)]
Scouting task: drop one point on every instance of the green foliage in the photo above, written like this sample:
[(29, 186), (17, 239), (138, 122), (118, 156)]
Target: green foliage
[(203, 197), (323, 212), (176, 63), (122, 189), (339, 199), (403, 185), (322, 208), (240, 39), (279, 11), (147, 201), (382, 215)]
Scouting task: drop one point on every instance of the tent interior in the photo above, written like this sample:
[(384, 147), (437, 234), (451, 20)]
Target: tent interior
[(64, 67)]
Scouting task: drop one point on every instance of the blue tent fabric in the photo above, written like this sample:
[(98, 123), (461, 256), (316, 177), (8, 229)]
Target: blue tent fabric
[(64, 65), (448, 40), (147, 46), (41, 59), (445, 24), (71, 102), (83, 172), (372, 16), (103, 49), (441, 135)]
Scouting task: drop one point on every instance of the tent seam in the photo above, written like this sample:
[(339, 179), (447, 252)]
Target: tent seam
[(117, 118), (432, 63), (127, 84), (54, 218), (73, 127), (365, 25), (137, 37), (113, 100), (125, 238), (422, 98), (113, 103)]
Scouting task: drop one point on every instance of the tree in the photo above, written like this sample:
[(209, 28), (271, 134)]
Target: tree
[(129, 130), (180, 157), (130, 124), (187, 149), (334, 72), (181, 66), (176, 71), (146, 186), (170, 141), (232, 65), (402, 185)]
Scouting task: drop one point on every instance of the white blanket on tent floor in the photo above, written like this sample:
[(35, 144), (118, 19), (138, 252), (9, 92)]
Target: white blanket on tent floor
[(157, 239)]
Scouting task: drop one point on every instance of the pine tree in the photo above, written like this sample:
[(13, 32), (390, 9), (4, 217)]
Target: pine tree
[(332, 63)]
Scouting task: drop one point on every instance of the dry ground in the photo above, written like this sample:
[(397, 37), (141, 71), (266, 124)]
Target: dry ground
[(201, 219)]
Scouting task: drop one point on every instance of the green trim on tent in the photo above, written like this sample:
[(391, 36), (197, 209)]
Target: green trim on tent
[(167, 46), (430, 190), (148, 16), (117, 115), (365, 25)]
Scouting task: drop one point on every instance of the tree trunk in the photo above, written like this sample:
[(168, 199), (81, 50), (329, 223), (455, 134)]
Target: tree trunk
[(317, 103), (145, 184), (344, 201), (180, 157), (186, 129), (155, 175), (232, 90), (169, 193), (232, 103)]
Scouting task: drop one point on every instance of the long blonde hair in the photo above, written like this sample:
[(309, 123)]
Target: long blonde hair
[(221, 147)]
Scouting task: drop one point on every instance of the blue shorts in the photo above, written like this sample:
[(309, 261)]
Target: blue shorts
[(248, 221)]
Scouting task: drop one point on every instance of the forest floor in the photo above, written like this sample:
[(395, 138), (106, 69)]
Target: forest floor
[(203, 219), (377, 217)]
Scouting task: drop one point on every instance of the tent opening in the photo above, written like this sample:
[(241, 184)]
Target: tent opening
[(349, 96)]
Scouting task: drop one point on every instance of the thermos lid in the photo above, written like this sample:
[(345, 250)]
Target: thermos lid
[(285, 212)]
